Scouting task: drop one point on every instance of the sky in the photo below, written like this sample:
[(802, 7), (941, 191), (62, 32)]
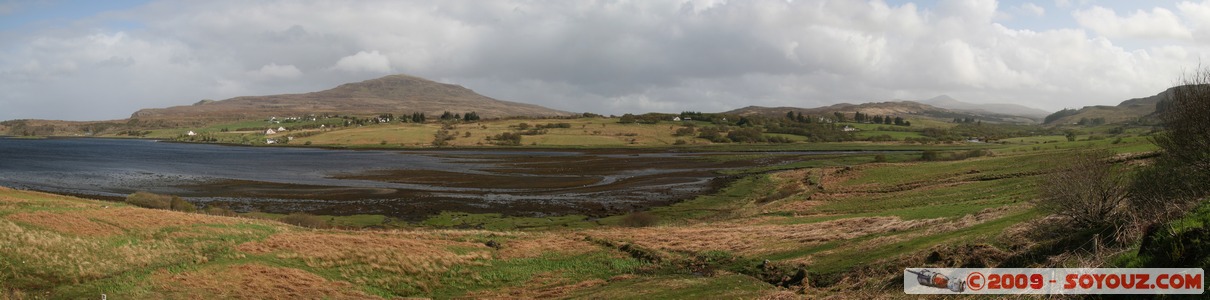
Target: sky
[(99, 60)]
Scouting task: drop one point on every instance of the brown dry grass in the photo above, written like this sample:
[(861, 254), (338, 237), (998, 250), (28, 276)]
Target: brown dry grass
[(528, 247), (252, 281), (65, 223), (110, 221), (132, 218), (755, 239), (11, 199), (55, 258), (373, 258)]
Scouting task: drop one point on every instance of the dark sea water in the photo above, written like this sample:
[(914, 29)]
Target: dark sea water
[(280, 179), (117, 167)]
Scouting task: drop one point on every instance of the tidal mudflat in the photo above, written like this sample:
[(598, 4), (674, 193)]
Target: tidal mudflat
[(402, 184)]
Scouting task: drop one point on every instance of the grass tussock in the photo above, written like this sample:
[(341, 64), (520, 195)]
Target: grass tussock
[(47, 259), (639, 219), (407, 264), (532, 246)]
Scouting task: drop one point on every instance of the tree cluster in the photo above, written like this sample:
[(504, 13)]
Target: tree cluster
[(1091, 122), (859, 117), (506, 139), (1058, 115)]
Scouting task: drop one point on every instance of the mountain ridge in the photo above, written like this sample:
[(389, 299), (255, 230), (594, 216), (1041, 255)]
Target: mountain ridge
[(947, 102), (1134, 109), (395, 94)]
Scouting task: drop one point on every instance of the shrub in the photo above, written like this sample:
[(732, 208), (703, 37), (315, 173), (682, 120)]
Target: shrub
[(779, 139), (1086, 189), (179, 204), (507, 139), (746, 135), (685, 131), (1181, 243), (150, 200), (930, 155), (680, 142), (305, 220), (218, 210), (880, 158), (1180, 176), (640, 219)]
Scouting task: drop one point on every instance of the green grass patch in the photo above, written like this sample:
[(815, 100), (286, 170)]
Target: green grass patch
[(846, 258), (576, 268), (495, 221)]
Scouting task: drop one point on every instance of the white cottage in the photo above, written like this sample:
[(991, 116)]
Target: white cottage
[(191, 133), (270, 131), (280, 129)]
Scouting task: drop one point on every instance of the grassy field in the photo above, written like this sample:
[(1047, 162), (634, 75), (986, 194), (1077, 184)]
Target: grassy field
[(849, 222)]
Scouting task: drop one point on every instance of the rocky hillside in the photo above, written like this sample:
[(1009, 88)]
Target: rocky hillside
[(396, 94), (1130, 110)]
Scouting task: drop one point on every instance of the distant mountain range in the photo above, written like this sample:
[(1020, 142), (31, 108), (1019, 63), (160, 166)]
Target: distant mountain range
[(396, 94), (933, 110), (947, 102)]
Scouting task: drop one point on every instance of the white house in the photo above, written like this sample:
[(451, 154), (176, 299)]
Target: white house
[(280, 129), (289, 138), (849, 129), (191, 133), (270, 131), (270, 141), (678, 119)]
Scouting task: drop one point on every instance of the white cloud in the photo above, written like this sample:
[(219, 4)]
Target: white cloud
[(608, 57), (364, 62), (1198, 15), (1158, 24), (274, 71)]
